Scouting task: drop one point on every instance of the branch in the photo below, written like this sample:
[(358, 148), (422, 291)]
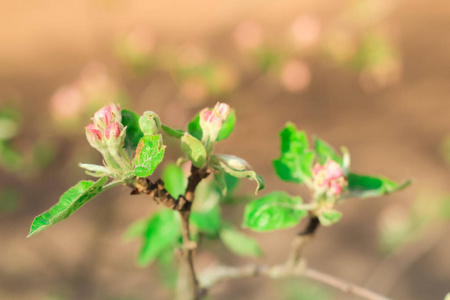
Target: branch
[(183, 205), (188, 246), (159, 193), (222, 273), (342, 285), (292, 267)]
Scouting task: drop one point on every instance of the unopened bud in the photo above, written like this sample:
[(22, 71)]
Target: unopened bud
[(150, 123), (107, 115), (112, 130), (93, 135), (329, 178), (211, 121)]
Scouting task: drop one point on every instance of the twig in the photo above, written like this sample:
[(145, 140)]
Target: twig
[(292, 267), (342, 285)]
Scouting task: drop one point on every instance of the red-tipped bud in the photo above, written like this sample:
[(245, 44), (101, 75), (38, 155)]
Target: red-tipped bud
[(211, 121), (95, 134), (107, 115), (112, 130)]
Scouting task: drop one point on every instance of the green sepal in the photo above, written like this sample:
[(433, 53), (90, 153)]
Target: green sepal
[(194, 150), (176, 133), (238, 242), (70, 201), (363, 186), (149, 154), (329, 217), (276, 210), (133, 132)]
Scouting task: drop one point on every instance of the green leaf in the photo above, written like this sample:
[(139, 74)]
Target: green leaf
[(175, 180), (135, 230), (133, 134), (194, 150), (295, 162), (176, 133), (69, 202), (161, 234), (239, 243), (227, 127), (325, 151), (194, 128), (363, 186), (149, 154), (208, 221), (274, 211), (244, 173), (329, 217)]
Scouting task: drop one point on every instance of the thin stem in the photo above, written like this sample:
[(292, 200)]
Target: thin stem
[(113, 184), (342, 285), (194, 179)]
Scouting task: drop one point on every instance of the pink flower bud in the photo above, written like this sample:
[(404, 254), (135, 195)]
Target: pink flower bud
[(106, 115), (95, 134), (112, 130), (329, 178), (333, 170), (335, 189), (223, 110)]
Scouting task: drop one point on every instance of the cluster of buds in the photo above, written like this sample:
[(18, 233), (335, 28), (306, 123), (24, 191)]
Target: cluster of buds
[(329, 179), (107, 134), (211, 122)]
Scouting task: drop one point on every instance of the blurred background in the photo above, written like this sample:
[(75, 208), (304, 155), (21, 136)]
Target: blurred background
[(372, 75)]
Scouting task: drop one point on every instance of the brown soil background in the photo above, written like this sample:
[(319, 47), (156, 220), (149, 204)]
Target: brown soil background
[(396, 132)]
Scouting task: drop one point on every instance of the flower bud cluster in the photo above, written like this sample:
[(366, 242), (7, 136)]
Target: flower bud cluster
[(211, 122), (107, 135), (329, 179)]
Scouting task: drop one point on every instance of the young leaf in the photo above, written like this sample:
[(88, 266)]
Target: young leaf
[(194, 150), (69, 202), (274, 211), (325, 151), (295, 162), (227, 127), (149, 154), (176, 133), (362, 186), (329, 217), (161, 234), (133, 134), (95, 170), (244, 173), (207, 221), (239, 243), (194, 128), (175, 180)]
